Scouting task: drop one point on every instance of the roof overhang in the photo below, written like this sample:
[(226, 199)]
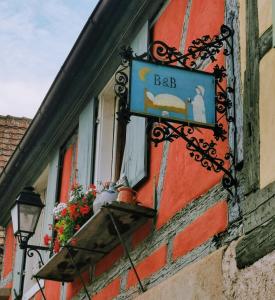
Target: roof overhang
[(90, 64)]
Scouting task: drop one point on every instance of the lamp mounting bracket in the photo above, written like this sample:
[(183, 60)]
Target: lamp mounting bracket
[(31, 249)]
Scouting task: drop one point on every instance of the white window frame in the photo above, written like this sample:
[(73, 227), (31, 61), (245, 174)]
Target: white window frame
[(106, 136)]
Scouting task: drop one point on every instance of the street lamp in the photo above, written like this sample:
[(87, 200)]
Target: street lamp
[(25, 214)]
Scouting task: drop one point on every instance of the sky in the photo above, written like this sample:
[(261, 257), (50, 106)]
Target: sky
[(35, 38)]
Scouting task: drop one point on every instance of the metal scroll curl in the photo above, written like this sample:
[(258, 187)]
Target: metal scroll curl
[(200, 53), (30, 253), (200, 150), (121, 85), (200, 50)]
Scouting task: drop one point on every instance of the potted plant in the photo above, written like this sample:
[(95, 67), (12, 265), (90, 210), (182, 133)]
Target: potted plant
[(69, 217)]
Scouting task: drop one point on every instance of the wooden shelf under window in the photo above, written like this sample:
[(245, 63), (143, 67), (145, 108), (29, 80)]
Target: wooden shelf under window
[(96, 238)]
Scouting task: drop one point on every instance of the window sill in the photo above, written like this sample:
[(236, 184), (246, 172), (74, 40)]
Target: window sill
[(96, 238)]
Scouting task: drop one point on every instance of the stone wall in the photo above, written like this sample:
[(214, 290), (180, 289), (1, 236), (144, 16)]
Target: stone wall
[(254, 282)]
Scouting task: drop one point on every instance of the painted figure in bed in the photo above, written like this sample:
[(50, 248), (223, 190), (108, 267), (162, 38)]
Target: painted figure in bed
[(165, 102)]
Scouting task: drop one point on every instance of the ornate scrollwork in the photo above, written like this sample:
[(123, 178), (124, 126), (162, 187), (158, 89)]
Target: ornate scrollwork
[(219, 73), (200, 50), (158, 132), (200, 150), (219, 132), (30, 253), (126, 54), (121, 85)]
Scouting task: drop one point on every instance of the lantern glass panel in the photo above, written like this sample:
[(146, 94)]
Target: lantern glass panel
[(14, 218), (29, 216)]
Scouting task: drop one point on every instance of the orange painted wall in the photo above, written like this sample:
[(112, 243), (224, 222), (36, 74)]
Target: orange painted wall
[(52, 290), (150, 265), (169, 22), (74, 287), (212, 222), (169, 25), (185, 180), (66, 175), (10, 244), (109, 292)]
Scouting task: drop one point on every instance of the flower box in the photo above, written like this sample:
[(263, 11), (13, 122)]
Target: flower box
[(96, 238)]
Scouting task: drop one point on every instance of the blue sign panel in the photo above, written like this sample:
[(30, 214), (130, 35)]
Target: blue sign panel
[(172, 93)]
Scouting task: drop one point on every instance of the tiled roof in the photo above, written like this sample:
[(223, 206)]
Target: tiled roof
[(12, 130)]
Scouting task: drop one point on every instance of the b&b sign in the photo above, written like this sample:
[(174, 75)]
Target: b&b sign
[(172, 93)]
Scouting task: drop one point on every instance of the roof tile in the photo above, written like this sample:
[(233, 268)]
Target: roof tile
[(12, 129)]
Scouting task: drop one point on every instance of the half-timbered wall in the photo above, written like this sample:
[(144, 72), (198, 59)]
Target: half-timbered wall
[(192, 207), (184, 251)]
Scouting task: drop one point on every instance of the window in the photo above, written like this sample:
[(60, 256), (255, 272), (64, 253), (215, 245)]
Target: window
[(120, 151), (110, 138)]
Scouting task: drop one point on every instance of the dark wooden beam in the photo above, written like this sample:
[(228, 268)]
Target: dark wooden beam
[(258, 207), (251, 99), (256, 244), (265, 42)]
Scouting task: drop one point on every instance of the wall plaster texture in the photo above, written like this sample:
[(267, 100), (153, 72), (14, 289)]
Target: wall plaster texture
[(267, 119), (265, 15), (255, 282), (216, 276), (166, 235), (200, 280)]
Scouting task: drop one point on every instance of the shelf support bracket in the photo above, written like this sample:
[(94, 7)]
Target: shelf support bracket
[(125, 249), (78, 273), (40, 287)]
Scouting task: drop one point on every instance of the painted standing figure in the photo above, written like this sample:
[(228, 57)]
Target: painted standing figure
[(199, 106)]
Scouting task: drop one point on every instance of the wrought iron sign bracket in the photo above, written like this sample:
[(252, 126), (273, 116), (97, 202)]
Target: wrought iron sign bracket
[(201, 53)]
